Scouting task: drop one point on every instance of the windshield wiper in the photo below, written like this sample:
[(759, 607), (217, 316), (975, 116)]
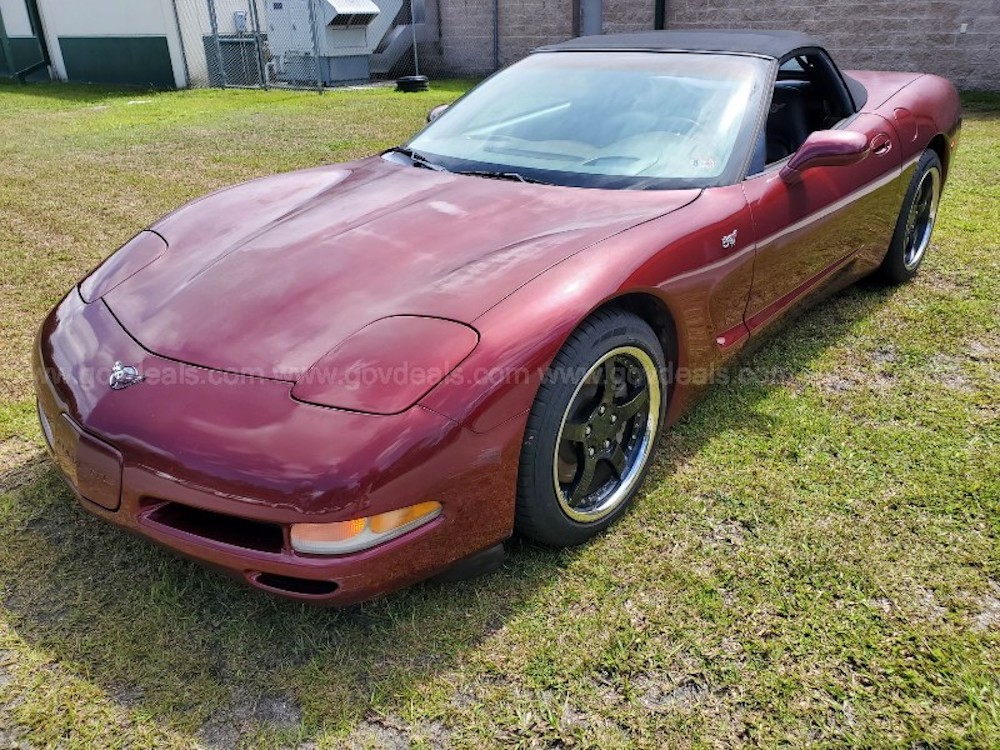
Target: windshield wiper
[(418, 159), (504, 175)]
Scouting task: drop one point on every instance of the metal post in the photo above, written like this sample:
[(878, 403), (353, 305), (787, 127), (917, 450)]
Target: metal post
[(496, 35), (180, 41), (591, 17), (315, 38), (8, 56), (258, 43), (660, 14), (218, 45), (413, 28), (35, 19)]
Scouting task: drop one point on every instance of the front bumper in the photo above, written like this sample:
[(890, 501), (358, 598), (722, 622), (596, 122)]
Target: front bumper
[(217, 466)]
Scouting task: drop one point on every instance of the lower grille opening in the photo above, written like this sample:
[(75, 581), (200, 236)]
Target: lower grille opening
[(303, 586), (219, 527)]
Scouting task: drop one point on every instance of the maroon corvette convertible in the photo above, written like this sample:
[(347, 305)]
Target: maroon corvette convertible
[(337, 382)]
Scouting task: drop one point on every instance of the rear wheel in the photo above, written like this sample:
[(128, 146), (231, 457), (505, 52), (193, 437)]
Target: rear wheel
[(915, 223), (591, 431)]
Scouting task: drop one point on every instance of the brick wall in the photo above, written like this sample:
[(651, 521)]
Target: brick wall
[(466, 33), (627, 15), (922, 35), (527, 24), (465, 46), (919, 35)]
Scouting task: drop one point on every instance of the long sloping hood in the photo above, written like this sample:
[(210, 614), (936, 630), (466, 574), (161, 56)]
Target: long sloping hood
[(268, 276)]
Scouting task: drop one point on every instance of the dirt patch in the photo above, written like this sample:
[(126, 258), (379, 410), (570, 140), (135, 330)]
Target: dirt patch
[(392, 732), (684, 696), (950, 283), (603, 687), (20, 462), (388, 732), (988, 617), (885, 354), (128, 695), (836, 384), (659, 693), (436, 734), (947, 371), (914, 603), (845, 381), (10, 740), (226, 728), (731, 533), (10, 735), (573, 718), (463, 698), (982, 352), (882, 604), (925, 605)]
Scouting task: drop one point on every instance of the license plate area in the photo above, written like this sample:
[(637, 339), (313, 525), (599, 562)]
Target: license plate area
[(92, 466)]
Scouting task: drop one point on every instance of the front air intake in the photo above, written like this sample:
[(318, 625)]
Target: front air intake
[(295, 586), (218, 527)]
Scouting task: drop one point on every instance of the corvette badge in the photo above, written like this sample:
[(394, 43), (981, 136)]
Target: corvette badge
[(122, 376)]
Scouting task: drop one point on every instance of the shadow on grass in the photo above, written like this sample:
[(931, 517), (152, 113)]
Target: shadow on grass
[(77, 93), (84, 94), (193, 650), (982, 105)]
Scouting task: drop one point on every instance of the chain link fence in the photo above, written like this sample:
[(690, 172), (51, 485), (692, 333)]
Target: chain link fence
[(297, 43), (293, 43)]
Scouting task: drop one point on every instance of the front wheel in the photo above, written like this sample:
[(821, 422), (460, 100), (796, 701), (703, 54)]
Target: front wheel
[(591, 431), (915, 223)]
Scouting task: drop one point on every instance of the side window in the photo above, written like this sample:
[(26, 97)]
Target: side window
[(808, 96)]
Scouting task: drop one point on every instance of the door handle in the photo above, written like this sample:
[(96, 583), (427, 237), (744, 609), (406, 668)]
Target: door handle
[(881, 144)]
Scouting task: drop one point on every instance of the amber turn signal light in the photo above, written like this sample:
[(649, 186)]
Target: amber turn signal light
[(342, 537)]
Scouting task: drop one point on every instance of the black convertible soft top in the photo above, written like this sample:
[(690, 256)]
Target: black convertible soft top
[(763, 42), (766, 43)]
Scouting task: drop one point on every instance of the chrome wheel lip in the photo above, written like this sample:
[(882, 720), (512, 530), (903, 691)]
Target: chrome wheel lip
[(617, 496), (919, 228)]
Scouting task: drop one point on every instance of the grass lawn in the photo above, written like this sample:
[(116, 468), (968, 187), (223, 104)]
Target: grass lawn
[(815, 561)]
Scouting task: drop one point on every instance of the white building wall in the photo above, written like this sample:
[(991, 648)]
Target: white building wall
[(15, 17), (108, 18)]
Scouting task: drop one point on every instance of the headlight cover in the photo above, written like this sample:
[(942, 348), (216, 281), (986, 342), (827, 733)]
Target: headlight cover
[(387, 366), (361, 533), (125, 262)]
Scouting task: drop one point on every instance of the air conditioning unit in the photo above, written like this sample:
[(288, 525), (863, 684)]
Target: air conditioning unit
[(338, 28)]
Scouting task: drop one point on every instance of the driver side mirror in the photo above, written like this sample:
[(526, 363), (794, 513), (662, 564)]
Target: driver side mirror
[(826, 148), (436, 112)]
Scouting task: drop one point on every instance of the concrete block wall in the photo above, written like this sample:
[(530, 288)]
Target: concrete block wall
[(465, 44), (467, 31), (527, 24), (920, 35), (628, 15)]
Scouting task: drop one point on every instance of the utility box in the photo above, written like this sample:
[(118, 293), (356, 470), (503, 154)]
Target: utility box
[(338, 28)]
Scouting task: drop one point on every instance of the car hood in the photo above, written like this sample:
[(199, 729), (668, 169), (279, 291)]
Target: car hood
[(268, 276)]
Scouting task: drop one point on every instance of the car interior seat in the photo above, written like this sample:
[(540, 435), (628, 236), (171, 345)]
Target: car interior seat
[(788, 119)]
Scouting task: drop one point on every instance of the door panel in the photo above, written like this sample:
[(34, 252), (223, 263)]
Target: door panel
[(832, 218)]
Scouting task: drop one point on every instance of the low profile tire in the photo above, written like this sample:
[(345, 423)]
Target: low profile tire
[(591, 431), (915, 223)]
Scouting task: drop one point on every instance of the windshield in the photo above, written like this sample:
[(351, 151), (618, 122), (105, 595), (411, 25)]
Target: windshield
[(599, 119)]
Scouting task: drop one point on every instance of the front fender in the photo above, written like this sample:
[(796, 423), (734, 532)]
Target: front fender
[(678, 260)]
